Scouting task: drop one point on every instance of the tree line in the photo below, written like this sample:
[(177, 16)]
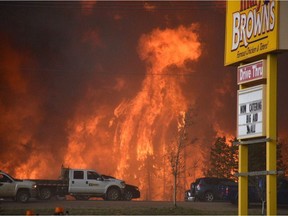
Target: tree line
[(223, 159)]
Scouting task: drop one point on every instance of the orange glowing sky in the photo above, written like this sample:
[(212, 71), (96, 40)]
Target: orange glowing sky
[(101, 85)]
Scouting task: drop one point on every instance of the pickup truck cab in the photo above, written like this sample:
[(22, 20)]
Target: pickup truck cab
[(88, 183), (20, 190)]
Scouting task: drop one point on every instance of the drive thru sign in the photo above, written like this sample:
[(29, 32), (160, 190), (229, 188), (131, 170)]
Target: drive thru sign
[(251, 72)]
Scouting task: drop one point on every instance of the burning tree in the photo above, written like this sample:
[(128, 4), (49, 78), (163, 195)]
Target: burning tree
[(176, 153)]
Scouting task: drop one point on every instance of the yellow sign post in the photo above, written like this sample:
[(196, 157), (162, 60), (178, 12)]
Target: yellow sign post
[(271, 148), (243, 181), (256, 29)]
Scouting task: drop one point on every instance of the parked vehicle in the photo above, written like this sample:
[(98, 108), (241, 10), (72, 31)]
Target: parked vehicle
[(20, 190), (130, 191), (256, 193), (190, 194), (81, 184), (207, 189)]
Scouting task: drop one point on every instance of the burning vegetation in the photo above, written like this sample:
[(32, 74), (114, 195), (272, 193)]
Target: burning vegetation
[(135, 136), (78, 93)]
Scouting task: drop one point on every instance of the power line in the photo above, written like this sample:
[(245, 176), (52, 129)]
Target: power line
[(108, 73), (154, 6)]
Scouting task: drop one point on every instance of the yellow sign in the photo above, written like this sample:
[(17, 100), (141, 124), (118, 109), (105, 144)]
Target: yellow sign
[(251, 29)]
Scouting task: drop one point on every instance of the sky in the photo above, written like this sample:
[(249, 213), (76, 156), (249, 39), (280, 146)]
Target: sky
[(102, 85)]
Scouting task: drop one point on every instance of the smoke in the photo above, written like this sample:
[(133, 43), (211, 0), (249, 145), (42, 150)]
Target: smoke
[(101, 86), (20, 114), (74, 94), (87, 7)]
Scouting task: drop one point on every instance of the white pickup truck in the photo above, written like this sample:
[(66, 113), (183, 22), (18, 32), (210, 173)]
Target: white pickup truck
[(20, 190), (81, 184)]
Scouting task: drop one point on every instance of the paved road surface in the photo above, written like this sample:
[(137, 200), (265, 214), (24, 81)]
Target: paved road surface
[(8, 207)]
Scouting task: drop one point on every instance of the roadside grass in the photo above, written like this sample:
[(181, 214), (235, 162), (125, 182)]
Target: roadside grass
[(138, 211), (129, 211)]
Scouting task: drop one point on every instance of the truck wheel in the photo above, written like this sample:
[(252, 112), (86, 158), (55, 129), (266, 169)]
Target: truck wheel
[(209, 196), (128, 195), (45, 193), (113, 194), (22, 196)]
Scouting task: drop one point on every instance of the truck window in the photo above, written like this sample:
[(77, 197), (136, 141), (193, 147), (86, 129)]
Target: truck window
[(4, 178), (92, 175), (78, 175)]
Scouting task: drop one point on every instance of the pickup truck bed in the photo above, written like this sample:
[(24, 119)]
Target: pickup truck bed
[(47, 188)]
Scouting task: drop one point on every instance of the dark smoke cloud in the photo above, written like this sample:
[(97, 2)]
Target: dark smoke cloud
[(54, 54)]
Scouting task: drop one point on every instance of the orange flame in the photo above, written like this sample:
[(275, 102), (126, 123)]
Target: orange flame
[(143, 124), (128, 140)]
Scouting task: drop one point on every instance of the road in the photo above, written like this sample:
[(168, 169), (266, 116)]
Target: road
[(118, 207)]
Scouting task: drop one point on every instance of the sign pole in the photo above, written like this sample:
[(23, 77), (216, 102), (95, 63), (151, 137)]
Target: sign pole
[(243, 181), (271, 130)]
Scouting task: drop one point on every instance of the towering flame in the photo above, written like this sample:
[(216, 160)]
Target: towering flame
[(73, 91), (145, 124)]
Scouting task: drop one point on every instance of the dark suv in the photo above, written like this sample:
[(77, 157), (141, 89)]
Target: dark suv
[(208, 189)]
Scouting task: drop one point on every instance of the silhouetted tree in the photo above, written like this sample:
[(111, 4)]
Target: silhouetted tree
[(257, 157), (176, 149), (280, 162), (223, 161), (284, 154)]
